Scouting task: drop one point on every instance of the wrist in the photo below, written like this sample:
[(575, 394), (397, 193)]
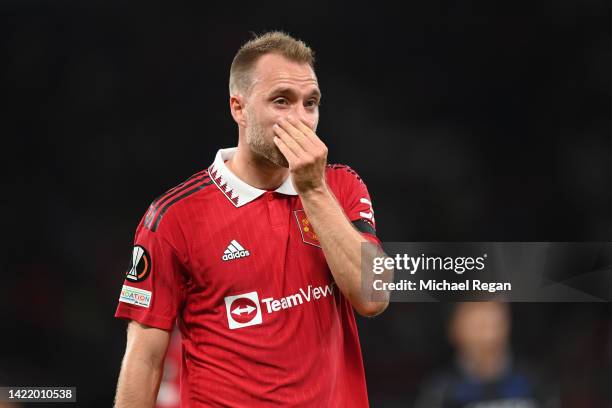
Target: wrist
[(315, 193)]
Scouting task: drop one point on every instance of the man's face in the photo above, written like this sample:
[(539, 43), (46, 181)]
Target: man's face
[(481, 327), (280, 88)]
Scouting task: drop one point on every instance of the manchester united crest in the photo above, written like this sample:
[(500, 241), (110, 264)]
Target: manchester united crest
[(308, 234)]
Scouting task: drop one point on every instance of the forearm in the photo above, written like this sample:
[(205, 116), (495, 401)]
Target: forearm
[(342, 245), (138, 383), (142, 366)]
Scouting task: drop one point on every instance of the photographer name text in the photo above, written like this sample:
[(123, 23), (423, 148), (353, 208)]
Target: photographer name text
[(442, 285)]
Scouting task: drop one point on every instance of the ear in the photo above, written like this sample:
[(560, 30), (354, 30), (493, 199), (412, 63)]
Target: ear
[(237, 109)]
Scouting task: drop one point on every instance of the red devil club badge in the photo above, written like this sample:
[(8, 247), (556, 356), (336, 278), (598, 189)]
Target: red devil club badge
[(308, 234)]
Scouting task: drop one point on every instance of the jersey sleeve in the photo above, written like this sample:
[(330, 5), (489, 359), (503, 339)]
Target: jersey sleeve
[(153, 287), (356, 202)]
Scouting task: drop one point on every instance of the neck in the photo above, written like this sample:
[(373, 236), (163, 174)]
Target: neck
[(256, 170)]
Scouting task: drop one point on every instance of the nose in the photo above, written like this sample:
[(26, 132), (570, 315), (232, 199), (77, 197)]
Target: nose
[(305, 116)]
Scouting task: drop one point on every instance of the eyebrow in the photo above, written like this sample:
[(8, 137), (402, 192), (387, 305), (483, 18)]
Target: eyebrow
[(286, 90)]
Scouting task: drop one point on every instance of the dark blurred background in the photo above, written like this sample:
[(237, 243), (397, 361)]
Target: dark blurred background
[(469, 122)]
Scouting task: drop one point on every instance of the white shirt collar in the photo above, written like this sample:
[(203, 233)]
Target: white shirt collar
[(236, 190)]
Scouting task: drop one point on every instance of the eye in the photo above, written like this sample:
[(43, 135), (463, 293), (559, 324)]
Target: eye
[(311, 103), (281, 101)]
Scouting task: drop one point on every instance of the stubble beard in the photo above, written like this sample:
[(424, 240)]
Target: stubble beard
[(256, 139)]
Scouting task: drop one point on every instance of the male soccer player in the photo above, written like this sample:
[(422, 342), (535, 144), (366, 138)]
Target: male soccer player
[(257, 257)]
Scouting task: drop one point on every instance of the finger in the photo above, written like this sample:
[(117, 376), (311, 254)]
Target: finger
[(306, 130), (316, 146), (285, 150), (288, 140), (289, 125)]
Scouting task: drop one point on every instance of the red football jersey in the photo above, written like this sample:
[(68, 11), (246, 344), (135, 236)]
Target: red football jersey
[(242, 273)]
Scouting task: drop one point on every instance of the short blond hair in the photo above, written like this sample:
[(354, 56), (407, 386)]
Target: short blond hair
[(273, 42)]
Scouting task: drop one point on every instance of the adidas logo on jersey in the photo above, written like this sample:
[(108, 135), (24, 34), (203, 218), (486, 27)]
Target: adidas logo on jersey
[(234, 251)]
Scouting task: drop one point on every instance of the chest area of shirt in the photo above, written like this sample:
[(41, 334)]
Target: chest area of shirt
[(268, 242)]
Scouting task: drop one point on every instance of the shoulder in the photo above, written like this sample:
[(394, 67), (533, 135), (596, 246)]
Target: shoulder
[(175, 198), (337, 172)]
